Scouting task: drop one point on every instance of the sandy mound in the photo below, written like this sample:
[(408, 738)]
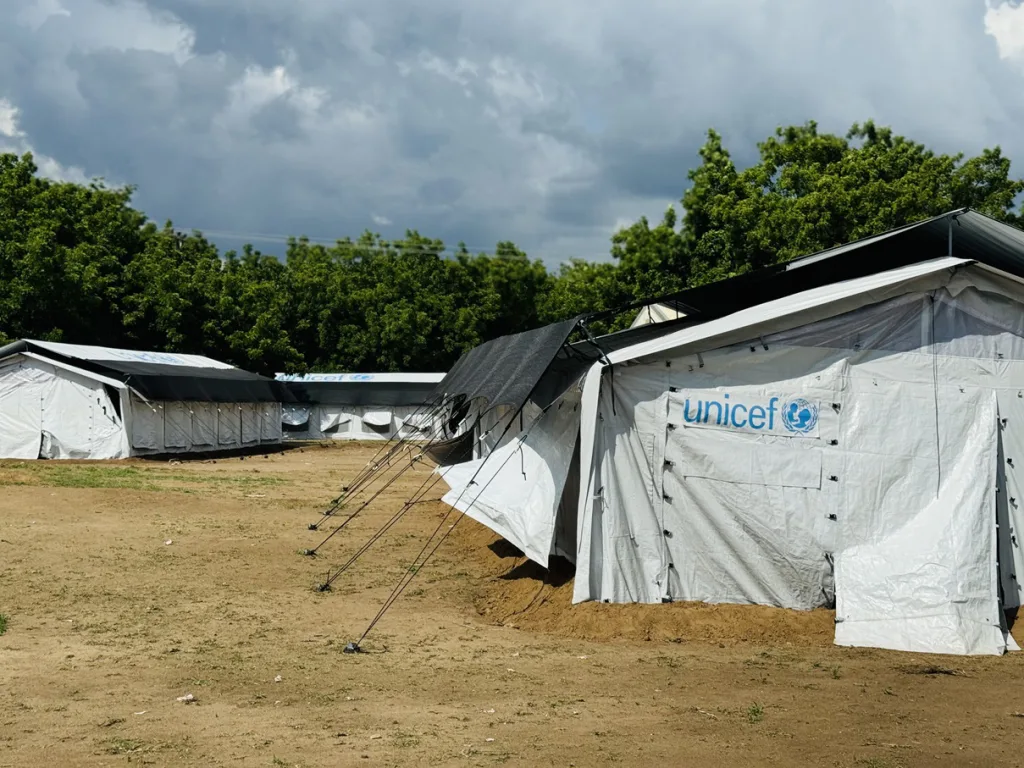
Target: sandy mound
[(515, 591)]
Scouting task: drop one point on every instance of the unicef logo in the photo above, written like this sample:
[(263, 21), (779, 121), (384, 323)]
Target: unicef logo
[(800, 415)]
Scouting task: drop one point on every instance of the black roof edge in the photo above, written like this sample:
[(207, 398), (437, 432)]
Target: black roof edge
[(14, 348)]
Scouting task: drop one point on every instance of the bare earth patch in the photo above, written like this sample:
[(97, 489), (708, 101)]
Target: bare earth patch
[(483, 661)]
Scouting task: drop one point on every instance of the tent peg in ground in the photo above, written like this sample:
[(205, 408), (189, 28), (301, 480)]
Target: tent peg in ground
[(324, 587), (352, 647), (313, 527), (308, 552)]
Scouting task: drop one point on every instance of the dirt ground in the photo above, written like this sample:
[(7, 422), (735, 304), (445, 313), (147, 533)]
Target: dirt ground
[(128, 585)]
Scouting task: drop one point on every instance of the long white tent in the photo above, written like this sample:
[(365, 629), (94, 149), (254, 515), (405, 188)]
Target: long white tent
[(357, 406), (69, 401), (854, 441)]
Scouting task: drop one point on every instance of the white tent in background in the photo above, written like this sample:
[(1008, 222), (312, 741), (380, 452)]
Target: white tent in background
[(357, 406), (657, 313), (848, 432), (69, 401)]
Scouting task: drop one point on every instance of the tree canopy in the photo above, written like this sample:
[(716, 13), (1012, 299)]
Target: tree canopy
[(79, 264)]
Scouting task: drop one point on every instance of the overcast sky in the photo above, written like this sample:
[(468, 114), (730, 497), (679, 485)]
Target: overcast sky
[(550, 123)]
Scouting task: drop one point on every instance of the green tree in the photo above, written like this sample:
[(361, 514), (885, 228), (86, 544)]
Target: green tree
[(172, 294), (811, 191), (63, 249)]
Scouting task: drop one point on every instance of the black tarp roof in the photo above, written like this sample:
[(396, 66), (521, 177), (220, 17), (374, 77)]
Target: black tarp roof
[(361, 393), (962, 233), (162, 381)]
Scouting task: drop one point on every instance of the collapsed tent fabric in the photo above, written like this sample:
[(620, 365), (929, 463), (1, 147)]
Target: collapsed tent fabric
[(515, 490)]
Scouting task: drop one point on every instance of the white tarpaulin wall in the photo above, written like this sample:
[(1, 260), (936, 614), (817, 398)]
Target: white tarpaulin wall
[(54, 410), (516, 489), (854, 458), (51, 411), (354, 422), (180, 427)]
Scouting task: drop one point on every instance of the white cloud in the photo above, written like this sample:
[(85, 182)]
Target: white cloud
[(36, 14), (1004, 21), (257, 88), (541, 123), (13, 140)]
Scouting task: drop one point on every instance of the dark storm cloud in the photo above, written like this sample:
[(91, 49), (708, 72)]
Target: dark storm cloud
[(544, 123)]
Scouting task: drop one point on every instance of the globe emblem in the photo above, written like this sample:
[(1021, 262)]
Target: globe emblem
[(800, 415)]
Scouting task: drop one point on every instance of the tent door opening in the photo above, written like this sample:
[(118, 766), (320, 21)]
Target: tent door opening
[(1008, 512)]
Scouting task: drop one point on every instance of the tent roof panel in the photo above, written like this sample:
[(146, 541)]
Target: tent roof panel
[(749, 319), (975, 236), (155, 377), (109, 355), (365, 379)]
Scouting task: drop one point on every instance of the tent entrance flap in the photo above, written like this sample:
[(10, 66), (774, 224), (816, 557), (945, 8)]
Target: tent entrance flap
[(924, 578)]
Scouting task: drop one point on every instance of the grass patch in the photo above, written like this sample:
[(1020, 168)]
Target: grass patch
[(755, 713), (3, 623), (124, 746), (931, 669), (73, 476), (57, 475)]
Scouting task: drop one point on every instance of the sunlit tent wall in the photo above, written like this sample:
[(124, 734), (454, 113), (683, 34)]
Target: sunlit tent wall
[(69, 401), (358, 406), (845, 430)]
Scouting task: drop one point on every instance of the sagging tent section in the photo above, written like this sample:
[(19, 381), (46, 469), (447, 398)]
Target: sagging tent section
[(358, 406), (70, 401), (848, 442)]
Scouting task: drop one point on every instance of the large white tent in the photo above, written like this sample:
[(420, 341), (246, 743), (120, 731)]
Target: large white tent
[(69, 401), (357, 406), (849, 433)]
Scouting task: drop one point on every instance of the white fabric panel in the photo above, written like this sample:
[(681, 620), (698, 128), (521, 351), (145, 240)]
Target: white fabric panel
[(656, 313), (295, 415), (377, 418), (270, 429), (56, 412), (911, 456), (250, 423), (177, 425), (334, 416), (807, 307), (364, 378), (22, 389), (918, 571), (517, 488), (229, 425), (204, 425), (741, 458), (1010, 498), (79, 420), (147, 425), (415, 422), (99, 354), (713, 471), (768, 318)]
